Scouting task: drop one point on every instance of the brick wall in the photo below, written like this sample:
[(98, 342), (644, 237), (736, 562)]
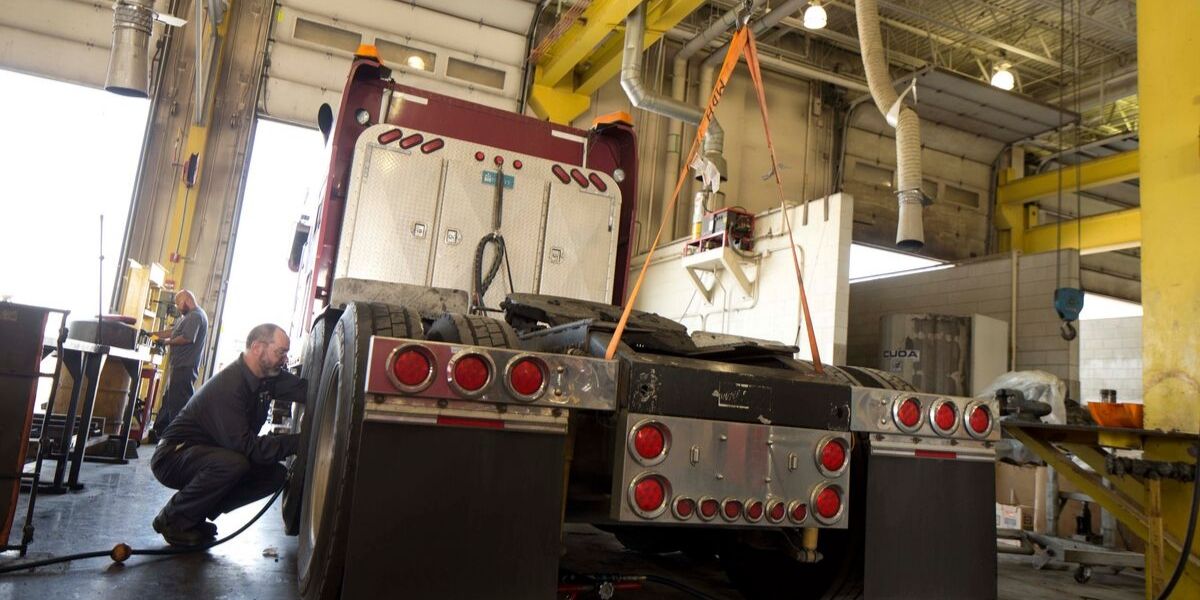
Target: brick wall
[(1110, 357), (981, 286)]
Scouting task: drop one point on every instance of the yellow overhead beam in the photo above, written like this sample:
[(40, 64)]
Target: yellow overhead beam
[(1101, 233), (1093, 173), (600, 19), (605, 62)]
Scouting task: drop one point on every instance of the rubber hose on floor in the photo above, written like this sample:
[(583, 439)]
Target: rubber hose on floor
[(122, 552)]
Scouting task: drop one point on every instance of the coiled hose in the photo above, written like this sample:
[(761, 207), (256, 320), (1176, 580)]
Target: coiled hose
[(122, 552)]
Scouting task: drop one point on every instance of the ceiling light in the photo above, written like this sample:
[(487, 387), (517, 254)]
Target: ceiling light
[(1002, 77), (416, 62), (814, 16)]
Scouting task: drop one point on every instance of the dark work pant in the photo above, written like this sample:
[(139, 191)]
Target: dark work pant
[(211, 481), (179, 390)]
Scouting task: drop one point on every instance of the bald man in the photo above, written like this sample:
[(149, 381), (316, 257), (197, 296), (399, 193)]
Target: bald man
[(186, 341)]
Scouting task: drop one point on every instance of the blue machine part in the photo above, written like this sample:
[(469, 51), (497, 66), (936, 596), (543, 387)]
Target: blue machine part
[(1068, 302)]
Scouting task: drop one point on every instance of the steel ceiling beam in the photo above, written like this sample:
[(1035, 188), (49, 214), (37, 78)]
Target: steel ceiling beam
[(1091, 174), (599, 20), (1124, 33)]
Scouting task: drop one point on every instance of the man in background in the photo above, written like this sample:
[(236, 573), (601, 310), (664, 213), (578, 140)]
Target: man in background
[(186, 341)]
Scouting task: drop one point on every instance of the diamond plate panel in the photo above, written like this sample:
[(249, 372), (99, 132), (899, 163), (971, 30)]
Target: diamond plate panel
[(390, 210), (581, 244)]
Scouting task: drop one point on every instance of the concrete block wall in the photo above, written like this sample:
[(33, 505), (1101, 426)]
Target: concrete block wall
[(977, 287), (771, 310), (1110, 357)]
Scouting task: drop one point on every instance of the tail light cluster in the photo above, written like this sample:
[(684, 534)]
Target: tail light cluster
[(650, 493), (412, 368), (943, 415)]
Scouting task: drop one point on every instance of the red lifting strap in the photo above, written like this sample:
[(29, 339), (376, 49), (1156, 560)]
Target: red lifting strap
[(743, 43)]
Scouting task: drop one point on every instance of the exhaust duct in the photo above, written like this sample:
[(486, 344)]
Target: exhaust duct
[(128, 62), (910, 234)]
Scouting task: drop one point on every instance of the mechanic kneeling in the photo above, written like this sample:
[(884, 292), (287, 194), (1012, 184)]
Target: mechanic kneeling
[(212, 453)]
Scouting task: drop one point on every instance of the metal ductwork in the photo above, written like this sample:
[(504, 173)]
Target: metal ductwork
[(910, 234), (641, 97), (129, 60)]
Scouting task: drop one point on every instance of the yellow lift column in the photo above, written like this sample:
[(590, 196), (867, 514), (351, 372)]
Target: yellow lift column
[(1168, 40)]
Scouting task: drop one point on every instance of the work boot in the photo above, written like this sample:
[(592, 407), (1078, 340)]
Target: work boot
[(207, 528), (176, 536)]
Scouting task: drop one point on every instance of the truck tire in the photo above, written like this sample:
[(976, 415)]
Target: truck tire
[(474, 330), (311, 359), (332, 454)]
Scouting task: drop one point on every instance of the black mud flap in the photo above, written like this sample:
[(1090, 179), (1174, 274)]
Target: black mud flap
[(930, 529), (454, 512)]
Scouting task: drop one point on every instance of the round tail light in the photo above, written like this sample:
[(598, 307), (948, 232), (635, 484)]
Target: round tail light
[(798, 512), (828, 504), (908, 414), (649, 441), (731, 509), (979, 420), (648, 495), (471, 373), (684, 508), (527, 377), (709, 507), (412, 368), (776, 512), (831, 457), (754, 510), (945, 417)]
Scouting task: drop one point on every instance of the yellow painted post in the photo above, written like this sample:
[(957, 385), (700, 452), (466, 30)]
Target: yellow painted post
[(1168, 40), (1154, 545)]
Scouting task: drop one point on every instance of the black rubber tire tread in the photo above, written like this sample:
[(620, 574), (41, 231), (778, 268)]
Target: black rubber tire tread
[(311, 359), (320, 577), (475, 330)]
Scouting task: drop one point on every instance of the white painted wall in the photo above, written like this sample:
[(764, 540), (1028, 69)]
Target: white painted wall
[(771, 310), (1110, 357)]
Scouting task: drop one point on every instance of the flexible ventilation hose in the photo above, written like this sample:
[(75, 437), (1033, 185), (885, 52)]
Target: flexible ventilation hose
[(910, 234)]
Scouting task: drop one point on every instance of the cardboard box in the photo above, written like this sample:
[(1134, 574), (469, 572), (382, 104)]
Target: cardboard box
[(1025, 487), (1010, 516)]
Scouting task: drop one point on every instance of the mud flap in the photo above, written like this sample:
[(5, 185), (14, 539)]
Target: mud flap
[(453, 512), (930, 529)]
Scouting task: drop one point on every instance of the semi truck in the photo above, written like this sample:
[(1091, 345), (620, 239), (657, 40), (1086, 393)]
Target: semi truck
[(461, 276)]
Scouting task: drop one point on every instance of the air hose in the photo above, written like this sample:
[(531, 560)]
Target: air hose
[(122, 552), (484, 282), (1185, 552)]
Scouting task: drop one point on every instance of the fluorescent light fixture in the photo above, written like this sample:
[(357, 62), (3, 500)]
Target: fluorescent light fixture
[(814, 16), (1002, 77), (416, 62)]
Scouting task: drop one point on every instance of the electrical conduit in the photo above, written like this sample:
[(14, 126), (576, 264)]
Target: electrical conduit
[(910, 234)]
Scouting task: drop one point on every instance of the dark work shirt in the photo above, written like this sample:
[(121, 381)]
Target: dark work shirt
[(194, 328), (229, 410)]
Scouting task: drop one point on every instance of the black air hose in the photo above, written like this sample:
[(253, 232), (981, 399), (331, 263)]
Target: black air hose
[(484, 282)]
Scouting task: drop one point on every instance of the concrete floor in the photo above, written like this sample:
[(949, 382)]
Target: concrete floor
[(119, 502)]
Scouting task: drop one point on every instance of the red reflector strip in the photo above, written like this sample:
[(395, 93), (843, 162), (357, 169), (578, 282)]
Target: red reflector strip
[(935, 454), (599, 183), (560, 173), (411, 141), (388, 137), (469, 422), (577, 175), (433, 145)]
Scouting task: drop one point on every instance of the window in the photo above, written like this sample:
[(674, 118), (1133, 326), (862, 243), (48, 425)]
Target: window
[(327, 35), (962, 197), (868, 263), (1096, 306), (466, 71), (399, 54), (872, 175), (930, 188)]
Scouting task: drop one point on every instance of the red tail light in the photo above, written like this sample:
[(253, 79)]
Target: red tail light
[(684, 508), (754, 510), (777, 511), (908, 414), (648, 493), (832, 456), (526, 377), (709, 507), (798, 512), (471, 373), (649, 441), (945, 417), (412, 368), (828, 503), (390, 136), (979, 420), (731, 509)]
